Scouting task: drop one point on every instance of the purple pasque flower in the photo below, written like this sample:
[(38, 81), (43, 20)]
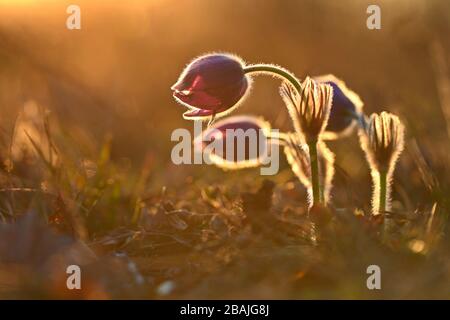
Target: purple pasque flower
[(211, 85), (346, 107), (235, 142)]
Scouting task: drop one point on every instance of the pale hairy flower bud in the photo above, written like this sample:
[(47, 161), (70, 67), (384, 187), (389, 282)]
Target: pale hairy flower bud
[(310, 108), (383, 140)]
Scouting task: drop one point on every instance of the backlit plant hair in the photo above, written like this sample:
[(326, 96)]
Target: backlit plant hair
[(309, 110), (297, 155), (382, 141)]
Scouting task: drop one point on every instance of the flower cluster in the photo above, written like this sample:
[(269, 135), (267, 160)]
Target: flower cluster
[(321, 108)]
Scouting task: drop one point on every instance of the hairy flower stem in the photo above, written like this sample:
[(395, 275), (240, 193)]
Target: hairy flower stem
[(276, 71), (383, 192), (384, 196), (316, 190)]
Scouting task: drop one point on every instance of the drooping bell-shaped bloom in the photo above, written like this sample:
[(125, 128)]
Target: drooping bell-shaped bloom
[(346, 107), (235, 142), (211, 85)]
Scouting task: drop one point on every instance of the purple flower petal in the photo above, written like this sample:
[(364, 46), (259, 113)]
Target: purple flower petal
[(241, 127), (345, 106), (216, 83)]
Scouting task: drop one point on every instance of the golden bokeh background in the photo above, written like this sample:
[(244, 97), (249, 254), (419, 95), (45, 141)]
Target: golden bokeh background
[(112, 77)]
